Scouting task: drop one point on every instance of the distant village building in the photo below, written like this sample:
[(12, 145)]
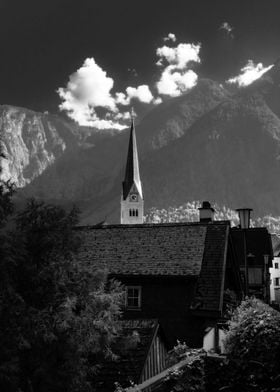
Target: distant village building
[(183, 275), (254, 253), (275, 271)]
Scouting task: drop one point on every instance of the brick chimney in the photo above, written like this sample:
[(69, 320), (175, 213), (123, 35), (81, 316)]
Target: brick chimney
[(206, 212)]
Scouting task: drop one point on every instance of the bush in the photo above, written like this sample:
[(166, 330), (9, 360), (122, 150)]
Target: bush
[(253, 347), (252, 363)]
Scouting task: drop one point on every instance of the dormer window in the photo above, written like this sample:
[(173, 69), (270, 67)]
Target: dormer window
[(133, 297)]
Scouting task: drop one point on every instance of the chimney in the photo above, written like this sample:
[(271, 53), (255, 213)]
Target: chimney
[(206, 212), (244, 217)]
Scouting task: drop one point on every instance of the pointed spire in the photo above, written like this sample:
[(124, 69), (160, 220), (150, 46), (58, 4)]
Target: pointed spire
[(132, 174)]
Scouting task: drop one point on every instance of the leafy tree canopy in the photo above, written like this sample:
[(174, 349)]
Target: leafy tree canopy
[(253, 347), (58, 317)]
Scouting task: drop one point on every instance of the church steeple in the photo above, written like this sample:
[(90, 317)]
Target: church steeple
[(132, 202), (132, 175)]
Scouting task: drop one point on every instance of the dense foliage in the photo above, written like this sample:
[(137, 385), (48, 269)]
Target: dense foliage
[(252, 363), (191, 377), (188, 212), (58, 316), (253, 347)]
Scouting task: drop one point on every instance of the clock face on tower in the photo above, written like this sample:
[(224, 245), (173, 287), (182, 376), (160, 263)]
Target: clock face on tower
[(133, 197)]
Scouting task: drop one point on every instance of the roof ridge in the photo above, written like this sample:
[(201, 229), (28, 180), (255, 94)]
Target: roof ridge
[(147, 225)]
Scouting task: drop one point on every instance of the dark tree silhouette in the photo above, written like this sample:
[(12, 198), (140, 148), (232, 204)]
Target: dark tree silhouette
[(58, 316)]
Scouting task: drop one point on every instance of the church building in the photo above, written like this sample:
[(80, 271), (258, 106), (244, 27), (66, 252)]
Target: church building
[(183, 275), (132, 201)]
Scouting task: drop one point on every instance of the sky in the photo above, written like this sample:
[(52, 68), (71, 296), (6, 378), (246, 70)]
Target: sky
[(92, 60)]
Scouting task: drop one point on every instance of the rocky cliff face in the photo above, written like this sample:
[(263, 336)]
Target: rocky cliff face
[(31, 142), (210, 143)]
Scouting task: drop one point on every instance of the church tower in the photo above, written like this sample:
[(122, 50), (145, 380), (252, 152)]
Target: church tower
[(132, 201)]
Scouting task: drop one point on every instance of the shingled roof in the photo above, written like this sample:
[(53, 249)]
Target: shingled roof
[(131, 357), (193, 249), (210, 285), (148, 249), (154, 249)]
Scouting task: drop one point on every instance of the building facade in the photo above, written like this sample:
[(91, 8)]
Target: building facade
[(275, 271), (184, 275)]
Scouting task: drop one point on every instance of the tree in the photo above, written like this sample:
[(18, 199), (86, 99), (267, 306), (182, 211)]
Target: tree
[(253, 347), (58, 317)]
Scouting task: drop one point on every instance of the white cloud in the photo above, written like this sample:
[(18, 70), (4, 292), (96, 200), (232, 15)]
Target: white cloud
[(175, 83), (133, 71), (157, 101), (141, 93), (177, 77), (227, 28), (159, 63), (89, 88), (170, 37), (249, 73), (90, 84), (123, 116), (179, 56)]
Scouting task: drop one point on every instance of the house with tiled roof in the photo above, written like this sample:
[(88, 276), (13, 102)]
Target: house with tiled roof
[(179, 273), (182, 274)]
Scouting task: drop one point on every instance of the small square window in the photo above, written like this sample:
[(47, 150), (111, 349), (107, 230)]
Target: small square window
[(276, 266), (133, 297)]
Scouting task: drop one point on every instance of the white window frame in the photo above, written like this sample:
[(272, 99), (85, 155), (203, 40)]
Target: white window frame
[(139, 297)]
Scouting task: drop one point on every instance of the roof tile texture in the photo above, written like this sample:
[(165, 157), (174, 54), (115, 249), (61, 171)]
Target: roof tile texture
[(145, 249), (210, 282), (131, 360)]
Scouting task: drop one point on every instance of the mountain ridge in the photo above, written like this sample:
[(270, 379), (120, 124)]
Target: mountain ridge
[(209, 143)]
